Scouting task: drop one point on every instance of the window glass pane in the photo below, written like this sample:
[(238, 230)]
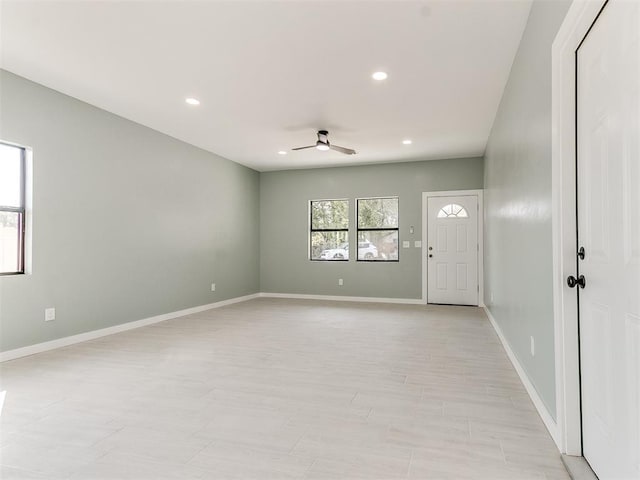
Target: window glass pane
[(378, 213), (10, 175), (9, 241), (453, 210), (329, 246), (329, 214), (378, 245)]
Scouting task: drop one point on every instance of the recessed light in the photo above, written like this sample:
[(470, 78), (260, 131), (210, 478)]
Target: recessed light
[(282, 152), (379, 76), (407, 142), (192, 101)]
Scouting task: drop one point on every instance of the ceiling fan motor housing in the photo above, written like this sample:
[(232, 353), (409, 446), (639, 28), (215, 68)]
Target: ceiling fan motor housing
[(323, 136)]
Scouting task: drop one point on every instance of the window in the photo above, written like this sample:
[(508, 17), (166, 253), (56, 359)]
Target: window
[(378, 229), (12, 208), (329, 222), (453, 210)]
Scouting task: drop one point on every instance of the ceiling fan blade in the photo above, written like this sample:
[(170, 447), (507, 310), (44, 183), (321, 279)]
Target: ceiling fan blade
[(348, 151), (302, 148)]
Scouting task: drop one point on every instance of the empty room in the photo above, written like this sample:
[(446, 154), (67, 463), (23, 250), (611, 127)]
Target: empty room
[(309, 239)]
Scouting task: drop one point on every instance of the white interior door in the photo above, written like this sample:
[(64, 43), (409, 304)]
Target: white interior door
[(452, 250), (608, 183)]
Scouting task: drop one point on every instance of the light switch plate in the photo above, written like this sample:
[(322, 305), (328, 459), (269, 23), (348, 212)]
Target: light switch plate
[(405, 244), (49, 314), (417, 244)]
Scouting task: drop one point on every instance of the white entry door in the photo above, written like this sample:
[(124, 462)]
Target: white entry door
[(608, 185), (452, 250)]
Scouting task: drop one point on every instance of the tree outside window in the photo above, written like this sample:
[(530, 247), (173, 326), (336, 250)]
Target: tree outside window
[(378, 229), (329, 225)]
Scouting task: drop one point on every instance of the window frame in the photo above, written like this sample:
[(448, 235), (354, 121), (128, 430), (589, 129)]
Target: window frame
[(21, 210), (313, 230), (377, 229)]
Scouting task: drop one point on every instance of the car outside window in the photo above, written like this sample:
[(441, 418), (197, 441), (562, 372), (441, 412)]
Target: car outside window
[(377, 229), (329, 230)]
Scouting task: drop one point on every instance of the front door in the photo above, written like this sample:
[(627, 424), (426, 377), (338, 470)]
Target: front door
[(608, 186), (452, 250)]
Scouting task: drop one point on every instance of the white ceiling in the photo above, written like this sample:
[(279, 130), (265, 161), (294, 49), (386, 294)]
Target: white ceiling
[(269, 74)]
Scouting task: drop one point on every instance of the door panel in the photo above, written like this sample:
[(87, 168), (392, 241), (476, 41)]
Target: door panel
[(596, 326), (608, 180), (630, 187), (594, 163), (442, 276), (452, 235), (442, 238), (462, 274), (461, 238), (633, 380)]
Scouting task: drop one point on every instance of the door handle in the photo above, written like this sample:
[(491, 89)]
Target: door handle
[(573, 281)]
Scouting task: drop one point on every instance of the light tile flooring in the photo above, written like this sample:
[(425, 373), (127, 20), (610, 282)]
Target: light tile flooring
[(278, 389)]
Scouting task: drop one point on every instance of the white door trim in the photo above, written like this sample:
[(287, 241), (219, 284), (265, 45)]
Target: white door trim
[(454, 193), (580, 17)]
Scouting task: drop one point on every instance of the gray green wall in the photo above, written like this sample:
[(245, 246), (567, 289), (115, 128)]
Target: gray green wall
[(517, 180), (128, 223), (284, 225)]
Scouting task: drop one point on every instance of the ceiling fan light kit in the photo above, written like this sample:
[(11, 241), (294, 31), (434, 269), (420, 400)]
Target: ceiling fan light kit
[(324, 145)]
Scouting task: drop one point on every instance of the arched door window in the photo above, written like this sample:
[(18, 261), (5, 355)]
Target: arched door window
[(453, 210)]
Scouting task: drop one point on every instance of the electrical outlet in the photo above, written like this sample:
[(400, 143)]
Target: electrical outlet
[(491, 298), (213, 287), (340, 282), (533, 347), (417, 243), (49, 314), (406, 244)]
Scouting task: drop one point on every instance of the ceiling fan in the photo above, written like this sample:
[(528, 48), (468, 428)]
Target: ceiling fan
[(323, 144)]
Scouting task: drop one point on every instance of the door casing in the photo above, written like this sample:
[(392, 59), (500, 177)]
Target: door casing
[(453, 193), (578, 21)]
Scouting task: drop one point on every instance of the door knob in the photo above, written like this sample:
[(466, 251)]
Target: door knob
[(430, 255), (573, 281)]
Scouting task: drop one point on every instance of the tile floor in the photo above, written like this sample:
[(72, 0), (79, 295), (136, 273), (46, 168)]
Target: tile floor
[(278, 389)]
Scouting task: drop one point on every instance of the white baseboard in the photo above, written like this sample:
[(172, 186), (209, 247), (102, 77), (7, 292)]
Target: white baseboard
[(103, 332), (548, 420), (340, 298)]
